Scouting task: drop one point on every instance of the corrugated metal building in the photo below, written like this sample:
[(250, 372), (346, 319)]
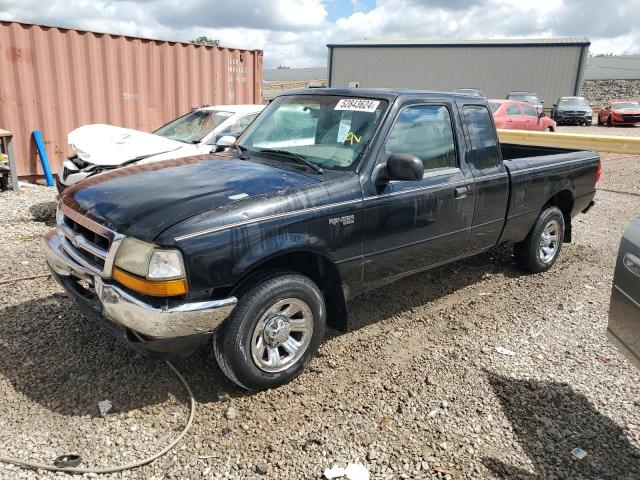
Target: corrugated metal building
[(57, 79), (550, 67), (621, 67)]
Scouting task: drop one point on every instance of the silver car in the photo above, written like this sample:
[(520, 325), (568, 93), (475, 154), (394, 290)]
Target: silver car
[(624, 311)]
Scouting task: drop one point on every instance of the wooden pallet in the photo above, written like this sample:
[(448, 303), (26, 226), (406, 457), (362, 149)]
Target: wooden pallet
[(574, 141)]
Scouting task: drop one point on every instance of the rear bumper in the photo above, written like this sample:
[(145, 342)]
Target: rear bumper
[(125, 314)]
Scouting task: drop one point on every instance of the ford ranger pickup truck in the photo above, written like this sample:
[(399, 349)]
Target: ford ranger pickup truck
[(329, 193)]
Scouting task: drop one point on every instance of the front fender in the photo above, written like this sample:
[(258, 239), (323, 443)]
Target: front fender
[(278, 245)]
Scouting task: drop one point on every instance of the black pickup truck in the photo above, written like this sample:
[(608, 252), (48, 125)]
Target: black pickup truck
[(328, 194)]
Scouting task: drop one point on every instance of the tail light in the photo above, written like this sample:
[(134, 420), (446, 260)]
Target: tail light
[(599, 171)]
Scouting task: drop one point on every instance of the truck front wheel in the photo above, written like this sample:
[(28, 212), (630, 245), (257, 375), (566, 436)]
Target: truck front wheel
[(274, 331), (539, 251)]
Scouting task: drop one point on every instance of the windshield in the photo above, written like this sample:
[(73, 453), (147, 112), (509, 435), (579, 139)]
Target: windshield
[(572, 102), (494, 106), (194, 126), (626, 106), (522, 97), (329, 131)]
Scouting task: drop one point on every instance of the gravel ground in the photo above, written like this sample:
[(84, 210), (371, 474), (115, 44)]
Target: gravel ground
[(415, 390)]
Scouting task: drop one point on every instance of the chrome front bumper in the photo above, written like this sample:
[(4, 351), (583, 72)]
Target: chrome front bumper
[(130, 312)]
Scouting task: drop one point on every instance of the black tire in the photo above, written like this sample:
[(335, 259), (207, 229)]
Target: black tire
[(232, 343), (528, 252)]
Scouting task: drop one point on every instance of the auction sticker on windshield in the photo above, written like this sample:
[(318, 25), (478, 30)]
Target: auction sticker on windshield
[(357, 104)]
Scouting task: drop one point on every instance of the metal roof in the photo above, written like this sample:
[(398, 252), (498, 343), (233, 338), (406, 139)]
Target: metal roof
[(506, 42), (64, 29)]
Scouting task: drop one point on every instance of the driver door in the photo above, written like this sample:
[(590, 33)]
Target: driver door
[(515, 119), (411, 225)]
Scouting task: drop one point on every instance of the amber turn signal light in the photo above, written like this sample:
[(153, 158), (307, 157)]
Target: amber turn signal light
[(154, 288)]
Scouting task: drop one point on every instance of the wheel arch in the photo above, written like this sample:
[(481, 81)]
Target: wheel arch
[(564, 201), (313, 264)]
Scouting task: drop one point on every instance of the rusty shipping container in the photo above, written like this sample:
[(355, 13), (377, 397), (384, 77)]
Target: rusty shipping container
[(56, 79)]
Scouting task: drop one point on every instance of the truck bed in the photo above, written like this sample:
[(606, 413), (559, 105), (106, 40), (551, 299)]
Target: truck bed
[(536, 173)]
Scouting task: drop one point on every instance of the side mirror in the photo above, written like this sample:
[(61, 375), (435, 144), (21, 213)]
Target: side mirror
[(223, 142), (541, 114), (403, 167), (541, 101), (555, 104), (226, 140)]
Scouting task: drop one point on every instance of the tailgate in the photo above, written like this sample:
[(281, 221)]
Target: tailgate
[(624, 312)]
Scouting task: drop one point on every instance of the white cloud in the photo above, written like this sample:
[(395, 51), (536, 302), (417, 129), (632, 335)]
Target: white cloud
[(295, 32)]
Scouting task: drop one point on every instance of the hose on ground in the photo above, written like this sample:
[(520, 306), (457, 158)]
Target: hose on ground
[(129, 466)]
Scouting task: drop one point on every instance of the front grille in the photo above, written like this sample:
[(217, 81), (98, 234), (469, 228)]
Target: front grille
[(631, 118), (86, 241)]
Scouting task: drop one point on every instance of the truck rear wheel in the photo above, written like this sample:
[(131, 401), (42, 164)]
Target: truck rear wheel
[(539, 251), (274, 331)]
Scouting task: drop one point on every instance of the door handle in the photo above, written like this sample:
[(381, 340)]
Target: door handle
[(632, 263), (461, 192)]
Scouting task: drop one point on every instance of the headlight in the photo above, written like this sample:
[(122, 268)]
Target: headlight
[(157, 272), (134, 256)]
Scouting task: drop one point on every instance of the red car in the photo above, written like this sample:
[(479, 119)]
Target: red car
[(620, 113), (520, 116)]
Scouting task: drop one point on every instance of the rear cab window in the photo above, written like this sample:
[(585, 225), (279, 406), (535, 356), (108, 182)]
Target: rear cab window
[(482, 134)]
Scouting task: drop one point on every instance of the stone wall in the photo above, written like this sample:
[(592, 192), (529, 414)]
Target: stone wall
[(599, 92)]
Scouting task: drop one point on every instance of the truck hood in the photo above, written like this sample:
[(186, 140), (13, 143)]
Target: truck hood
[(626, 111), (107, 145), (144, 200)]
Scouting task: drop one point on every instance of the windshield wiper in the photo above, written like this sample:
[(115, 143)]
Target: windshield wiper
[(294, 156), (240, 150)]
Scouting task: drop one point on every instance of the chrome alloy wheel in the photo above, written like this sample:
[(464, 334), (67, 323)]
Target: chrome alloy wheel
[(282, 335), (549, 242)]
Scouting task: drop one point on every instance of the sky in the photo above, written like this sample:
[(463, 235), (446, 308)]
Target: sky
[(295, 33)]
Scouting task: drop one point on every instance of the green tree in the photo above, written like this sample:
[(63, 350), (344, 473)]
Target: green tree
[(206, 41)]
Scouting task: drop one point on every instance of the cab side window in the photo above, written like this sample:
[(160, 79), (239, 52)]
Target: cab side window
[(485, 152), (426, 132), (513, 110), (529, 111)]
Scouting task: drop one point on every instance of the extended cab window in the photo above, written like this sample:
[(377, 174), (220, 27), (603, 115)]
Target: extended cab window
[(483, 137), (424, 131)]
